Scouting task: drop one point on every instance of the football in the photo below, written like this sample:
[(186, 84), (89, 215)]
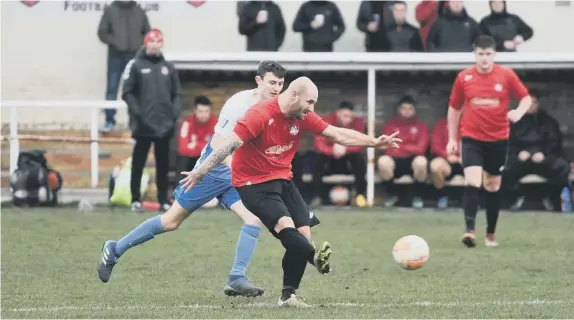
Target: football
[(411, 252)]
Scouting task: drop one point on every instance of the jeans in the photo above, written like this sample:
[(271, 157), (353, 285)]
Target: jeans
[(116, 65)]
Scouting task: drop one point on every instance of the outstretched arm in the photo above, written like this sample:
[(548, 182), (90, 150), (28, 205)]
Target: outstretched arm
[(348, 137), (352, 138)]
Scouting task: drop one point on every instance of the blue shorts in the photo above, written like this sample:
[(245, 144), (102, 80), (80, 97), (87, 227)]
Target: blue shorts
[(204, 191)]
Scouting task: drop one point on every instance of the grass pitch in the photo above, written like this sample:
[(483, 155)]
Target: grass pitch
[(49, 268)]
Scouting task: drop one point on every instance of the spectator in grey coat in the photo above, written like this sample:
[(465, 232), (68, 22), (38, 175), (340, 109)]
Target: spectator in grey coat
[(122, 28), (453, 31)]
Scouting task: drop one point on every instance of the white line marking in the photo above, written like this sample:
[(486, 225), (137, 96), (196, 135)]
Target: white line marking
[(453, 304)]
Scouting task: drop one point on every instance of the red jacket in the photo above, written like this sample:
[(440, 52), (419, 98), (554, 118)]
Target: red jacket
[(426, 13), (413, 132), (325, 146), (439, 139), (193, 136)]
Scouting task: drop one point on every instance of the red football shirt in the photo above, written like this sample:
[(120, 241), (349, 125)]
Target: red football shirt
[(270, 141), (486, 97)]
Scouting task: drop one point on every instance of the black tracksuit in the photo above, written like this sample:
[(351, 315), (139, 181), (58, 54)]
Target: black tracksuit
[(538, 132), (262, 37), (504, 26), (321, 39), (152, 92)]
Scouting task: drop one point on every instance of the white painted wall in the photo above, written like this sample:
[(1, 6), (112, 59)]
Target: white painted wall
[(50, 51)]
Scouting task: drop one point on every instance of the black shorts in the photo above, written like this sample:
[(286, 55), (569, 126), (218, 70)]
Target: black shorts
[(403, 167), (272, 200), (491, 156), (455, 170)]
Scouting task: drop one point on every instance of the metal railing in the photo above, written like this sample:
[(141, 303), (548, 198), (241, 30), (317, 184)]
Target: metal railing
[(94, 106)]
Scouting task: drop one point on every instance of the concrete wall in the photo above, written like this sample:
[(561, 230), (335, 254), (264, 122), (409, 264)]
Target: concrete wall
[(50, 50)]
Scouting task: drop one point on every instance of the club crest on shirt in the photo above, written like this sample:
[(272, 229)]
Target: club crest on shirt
[(164, 70), (498, 87), (414, 130), (293, 129)]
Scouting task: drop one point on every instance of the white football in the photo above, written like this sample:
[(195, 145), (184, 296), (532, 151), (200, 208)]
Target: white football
[(411, 252)]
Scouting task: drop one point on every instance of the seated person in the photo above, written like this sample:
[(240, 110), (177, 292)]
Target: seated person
[(443, 167), (338, 158), (194, 133), (409, 158), (536, 148)]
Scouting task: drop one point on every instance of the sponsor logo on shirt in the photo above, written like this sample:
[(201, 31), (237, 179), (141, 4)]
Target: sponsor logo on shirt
[(277, 150), (485, 102)]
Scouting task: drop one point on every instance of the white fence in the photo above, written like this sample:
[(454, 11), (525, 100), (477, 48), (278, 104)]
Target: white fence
[(95, 107), (247, 61)]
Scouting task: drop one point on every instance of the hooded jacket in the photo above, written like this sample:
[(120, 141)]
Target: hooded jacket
[(503, 27), (152, 92), (452, 33), (123, 27), (536, 132), (413, 132), (268, 36), (321, 39), (370, 11)]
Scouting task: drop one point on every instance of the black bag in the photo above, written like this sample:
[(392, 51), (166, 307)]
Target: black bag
[(33, 183)]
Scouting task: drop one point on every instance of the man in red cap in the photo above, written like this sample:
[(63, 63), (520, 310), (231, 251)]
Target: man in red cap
[(152, 92)]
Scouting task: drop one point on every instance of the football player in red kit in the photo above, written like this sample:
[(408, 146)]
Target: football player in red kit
[(484, 90)]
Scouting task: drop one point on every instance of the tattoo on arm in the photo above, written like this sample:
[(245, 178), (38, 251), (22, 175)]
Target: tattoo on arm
[(218, 155)]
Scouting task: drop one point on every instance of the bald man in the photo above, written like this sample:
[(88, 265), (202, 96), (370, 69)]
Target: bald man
[(269, 135)]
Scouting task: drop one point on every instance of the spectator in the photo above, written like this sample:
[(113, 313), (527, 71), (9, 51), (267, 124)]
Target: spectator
[(372, 19), (153, 94), (409, 159), (426, 14), (122, 27), (454, 31), (403, 37), (263, 24), (443, 167), (321, 24), (338, 158), (508, 30), (536, 148), (195, 132)]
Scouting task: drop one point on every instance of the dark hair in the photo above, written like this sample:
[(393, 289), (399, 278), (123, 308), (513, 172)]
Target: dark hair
[(534, 92), (408, 99), (346, 105), (484, 42), (203, 100), (399, 2), (271, 66)]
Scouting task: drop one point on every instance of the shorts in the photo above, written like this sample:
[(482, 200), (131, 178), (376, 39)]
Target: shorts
[(204, 191), (272, 200), (491, 156), (403, 167), (456, 169)]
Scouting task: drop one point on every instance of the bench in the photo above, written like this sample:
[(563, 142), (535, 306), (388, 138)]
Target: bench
[(457, 181)]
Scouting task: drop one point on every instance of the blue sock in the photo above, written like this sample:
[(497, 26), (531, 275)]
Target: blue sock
[(142, 233), (246, 243)]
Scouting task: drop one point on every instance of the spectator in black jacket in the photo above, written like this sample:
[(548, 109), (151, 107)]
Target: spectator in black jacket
[(321, 24), (122, 27), (263, 24), (403, 37), (372, 19), (508, 30), (453, 31), (536, 148), (152, 92)]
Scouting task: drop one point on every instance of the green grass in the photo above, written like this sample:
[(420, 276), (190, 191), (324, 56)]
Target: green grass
[(49, 259)]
